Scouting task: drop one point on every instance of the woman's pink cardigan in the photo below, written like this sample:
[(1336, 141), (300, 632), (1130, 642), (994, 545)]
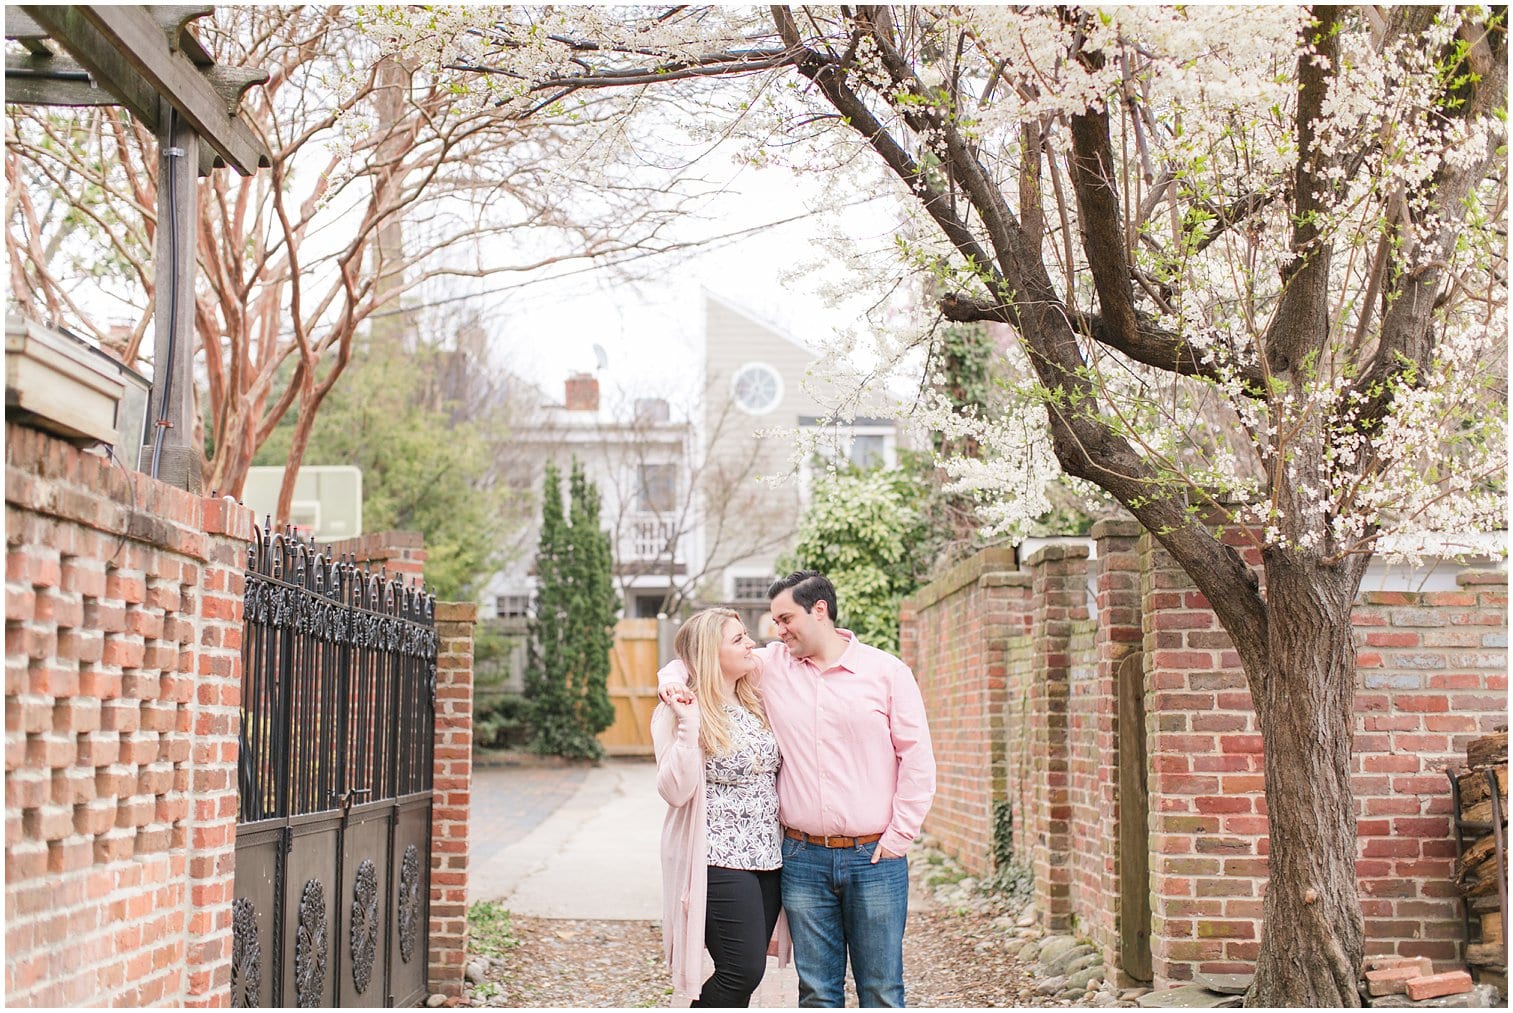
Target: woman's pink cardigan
[(680, 782)]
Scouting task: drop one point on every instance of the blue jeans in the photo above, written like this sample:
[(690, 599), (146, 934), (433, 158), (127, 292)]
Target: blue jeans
[(839, 903)]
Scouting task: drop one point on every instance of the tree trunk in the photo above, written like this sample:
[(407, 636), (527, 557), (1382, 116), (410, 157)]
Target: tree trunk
[(1312, 940)]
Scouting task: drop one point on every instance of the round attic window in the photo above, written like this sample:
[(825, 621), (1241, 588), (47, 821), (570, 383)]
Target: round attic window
[(758, 388)]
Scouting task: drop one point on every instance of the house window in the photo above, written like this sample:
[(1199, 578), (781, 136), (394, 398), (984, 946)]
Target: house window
[(646, 606), (512, 606), (657, 488), (750, 588), (869, 450), (758, 388)]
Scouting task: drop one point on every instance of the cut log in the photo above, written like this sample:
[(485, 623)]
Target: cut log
[(1487, 955), (1491, 927), (1479, 853), (1481, 905), (1488, 750), (1476, 797)]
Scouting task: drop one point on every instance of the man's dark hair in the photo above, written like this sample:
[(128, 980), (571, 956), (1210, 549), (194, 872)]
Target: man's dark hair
[(809, 586)]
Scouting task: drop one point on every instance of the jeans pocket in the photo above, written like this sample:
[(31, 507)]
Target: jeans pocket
[(792, 847)]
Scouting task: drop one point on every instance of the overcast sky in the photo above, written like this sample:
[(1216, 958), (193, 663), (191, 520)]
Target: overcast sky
[(650, 329)]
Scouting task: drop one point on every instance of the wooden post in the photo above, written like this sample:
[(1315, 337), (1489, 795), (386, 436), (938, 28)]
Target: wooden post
[(177, 460), (1134, 831)]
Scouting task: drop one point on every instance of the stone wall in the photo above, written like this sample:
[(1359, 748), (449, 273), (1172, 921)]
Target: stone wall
[(1433, 675), (123, 627)]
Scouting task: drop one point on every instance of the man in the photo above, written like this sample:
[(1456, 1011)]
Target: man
[(856, 781)]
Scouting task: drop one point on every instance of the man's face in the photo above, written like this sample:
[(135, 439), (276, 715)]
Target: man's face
[(799, 630)]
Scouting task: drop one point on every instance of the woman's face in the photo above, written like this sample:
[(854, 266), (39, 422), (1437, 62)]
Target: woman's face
[(736, 658)]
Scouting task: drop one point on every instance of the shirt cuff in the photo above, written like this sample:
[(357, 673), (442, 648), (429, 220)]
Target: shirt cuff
[(895, 843)]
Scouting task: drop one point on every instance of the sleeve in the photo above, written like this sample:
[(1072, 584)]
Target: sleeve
[(916, 762), (676, 673), (679, 758)]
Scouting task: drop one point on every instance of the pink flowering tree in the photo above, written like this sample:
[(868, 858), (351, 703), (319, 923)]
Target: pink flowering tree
[(1253, 260)]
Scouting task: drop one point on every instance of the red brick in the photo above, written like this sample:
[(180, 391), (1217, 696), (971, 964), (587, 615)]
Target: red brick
[(1392, 980), (1434, 985), (123, 652)]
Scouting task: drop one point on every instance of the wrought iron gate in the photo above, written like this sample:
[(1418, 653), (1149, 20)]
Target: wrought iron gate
[(333, 837)]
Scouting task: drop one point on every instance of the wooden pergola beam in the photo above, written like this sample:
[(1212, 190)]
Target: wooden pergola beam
[(67, 28), (51, 81), (127, 52)]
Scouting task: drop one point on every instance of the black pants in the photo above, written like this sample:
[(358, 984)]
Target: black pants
[(739, 916)]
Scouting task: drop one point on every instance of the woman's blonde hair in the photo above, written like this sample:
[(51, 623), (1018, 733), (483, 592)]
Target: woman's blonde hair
[(698, 647)]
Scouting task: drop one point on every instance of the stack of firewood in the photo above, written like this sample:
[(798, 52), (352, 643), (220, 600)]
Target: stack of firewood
[(1481, 870)]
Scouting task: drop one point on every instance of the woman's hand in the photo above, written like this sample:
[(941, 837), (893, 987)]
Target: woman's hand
[(681, 702)]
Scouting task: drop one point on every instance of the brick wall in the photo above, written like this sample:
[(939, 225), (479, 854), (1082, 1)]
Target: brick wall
[(122, 686), (451, 795), (1433, 675), (968, 613)]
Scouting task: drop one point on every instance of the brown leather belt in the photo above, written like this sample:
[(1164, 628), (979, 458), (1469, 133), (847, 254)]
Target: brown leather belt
[(831, 842)]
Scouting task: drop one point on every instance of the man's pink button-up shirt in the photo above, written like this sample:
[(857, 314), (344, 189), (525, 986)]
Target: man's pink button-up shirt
[(856, 747)]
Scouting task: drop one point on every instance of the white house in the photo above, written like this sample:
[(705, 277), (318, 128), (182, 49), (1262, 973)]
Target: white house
[(702, 502)]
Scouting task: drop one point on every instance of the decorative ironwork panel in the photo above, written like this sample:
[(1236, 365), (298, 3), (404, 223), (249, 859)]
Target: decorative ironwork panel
[(409, 903), (310, 946), (335, 658), (246, 955), (364, 924)]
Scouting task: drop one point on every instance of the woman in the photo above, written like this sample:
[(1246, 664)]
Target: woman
[(717, 764)]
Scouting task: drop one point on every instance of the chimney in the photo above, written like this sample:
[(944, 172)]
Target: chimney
[(582, 393)]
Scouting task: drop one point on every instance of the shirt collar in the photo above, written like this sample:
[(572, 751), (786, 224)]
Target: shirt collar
[(847, 660)]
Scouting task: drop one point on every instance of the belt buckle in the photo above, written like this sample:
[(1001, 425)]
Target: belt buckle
[(828, 839)]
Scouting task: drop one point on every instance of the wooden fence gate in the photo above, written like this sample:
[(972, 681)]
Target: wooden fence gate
[(632, 688), (333, 851)]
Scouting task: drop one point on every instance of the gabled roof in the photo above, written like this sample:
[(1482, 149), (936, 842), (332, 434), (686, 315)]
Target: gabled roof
[(735, 307)]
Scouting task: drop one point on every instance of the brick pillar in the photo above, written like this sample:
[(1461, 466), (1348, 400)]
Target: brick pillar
[(1206, 777), (451, 795), (215, 719), (398, 552), (1058, 596), (1117, 594)]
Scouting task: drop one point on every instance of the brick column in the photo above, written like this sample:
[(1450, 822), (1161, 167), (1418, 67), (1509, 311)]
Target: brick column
[(1117, 593), (451, 796), (1207, 778), (1059, 598), (398, 552), (215, 720)]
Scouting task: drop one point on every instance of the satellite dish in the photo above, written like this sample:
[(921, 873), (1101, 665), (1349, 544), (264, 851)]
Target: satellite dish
[(601, 356)]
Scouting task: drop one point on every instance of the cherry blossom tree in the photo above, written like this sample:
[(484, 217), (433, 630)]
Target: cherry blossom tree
[(1283, 220)]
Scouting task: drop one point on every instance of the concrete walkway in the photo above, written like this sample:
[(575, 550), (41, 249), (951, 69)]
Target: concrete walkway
[(576, 842)]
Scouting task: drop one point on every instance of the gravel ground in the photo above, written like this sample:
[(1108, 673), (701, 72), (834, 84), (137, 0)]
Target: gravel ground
[(964, 948), (569, 962)]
